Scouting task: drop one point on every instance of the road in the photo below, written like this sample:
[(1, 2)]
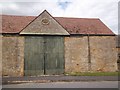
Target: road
[(82, 84)]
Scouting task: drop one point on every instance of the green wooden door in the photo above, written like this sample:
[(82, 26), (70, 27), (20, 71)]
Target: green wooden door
[(34, 56), (44, 55), (54, 55)]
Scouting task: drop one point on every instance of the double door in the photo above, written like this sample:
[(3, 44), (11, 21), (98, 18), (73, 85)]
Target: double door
[(44, 55)]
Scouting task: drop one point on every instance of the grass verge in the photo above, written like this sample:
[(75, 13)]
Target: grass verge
[(94, 74)]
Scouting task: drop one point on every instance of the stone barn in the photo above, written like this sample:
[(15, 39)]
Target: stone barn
[(47, 45)]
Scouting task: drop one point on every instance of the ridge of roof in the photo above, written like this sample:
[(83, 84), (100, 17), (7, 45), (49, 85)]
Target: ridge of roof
[(78, 18), (16, 15), (54, 17)]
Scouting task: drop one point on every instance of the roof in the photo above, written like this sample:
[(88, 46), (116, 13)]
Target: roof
[(14, 24)]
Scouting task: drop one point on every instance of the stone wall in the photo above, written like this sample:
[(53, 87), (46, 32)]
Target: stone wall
[(0, 56), (76, 54), (99, 55), (12, 56), (102, 56), (118, 58), (103, 53)]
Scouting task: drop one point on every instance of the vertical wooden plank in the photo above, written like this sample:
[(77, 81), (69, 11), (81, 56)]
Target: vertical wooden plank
[(54, 60), (34, 56)]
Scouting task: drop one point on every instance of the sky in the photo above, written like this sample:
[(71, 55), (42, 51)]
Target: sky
[(106, 10)]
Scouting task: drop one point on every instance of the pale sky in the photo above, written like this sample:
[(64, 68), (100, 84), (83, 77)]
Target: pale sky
[(106, 10)]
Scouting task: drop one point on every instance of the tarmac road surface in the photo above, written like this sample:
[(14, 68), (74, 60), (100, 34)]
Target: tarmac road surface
[(80, 84)]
